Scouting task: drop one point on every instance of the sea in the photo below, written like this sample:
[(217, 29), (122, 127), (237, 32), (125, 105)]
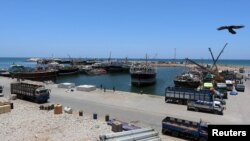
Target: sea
[(121, 81)]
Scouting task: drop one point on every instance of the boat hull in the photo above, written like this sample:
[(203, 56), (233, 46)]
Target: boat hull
[(143, 79), (36, 76), (187, 84), (68, 71)]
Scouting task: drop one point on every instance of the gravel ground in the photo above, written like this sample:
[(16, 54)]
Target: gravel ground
[(27, 123)]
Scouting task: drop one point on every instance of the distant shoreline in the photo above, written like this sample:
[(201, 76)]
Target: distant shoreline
[(220, 66)]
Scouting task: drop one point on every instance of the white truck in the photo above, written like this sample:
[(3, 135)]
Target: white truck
[(210, 106)]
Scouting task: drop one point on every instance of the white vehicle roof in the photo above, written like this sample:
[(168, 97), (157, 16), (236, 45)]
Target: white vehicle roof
[(229, 82), (217, 102)]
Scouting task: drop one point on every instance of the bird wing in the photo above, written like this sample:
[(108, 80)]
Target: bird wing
[(222, 27), (236, 27), (231, 30)]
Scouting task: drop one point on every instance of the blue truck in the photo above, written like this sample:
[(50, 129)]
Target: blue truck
[(183, 95), (32, 92), (1, 89), (185, 128)]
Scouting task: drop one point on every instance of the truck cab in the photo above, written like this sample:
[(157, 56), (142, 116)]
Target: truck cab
[(222, 88), (229, 84), (42, 93), (42, 90)]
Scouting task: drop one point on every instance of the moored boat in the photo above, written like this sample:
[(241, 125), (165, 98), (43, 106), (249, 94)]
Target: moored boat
[(36, 74), (68, 70), (190, 79), (143, 74)]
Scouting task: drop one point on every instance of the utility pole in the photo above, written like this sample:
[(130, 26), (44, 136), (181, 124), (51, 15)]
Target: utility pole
[(174, 55)]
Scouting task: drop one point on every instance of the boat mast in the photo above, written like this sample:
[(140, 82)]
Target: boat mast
[(174, 55)]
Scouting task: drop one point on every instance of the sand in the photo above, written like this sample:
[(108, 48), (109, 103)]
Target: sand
[(27, 123)]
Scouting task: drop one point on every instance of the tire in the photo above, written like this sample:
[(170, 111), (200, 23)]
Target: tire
[(163, 131), (188, 108), (166, 100), (216, 112), (202, 139), (196, 110), (175, 134)]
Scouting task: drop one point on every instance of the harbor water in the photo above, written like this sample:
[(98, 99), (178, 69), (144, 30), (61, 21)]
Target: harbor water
[(121, 81)]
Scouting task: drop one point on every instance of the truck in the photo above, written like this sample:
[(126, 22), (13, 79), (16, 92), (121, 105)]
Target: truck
[(33, 92), (240, 87), (179, 127), (1, 90), (222, 88), (182, 95), (210, 106), (229, 84)]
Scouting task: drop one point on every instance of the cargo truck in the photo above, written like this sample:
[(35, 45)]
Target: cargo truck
[(32, 92), (1, 90), (222, 88), (185, 128), (182, 95), (210, 106)]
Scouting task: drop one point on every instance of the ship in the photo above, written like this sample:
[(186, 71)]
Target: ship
[(68, 70), (190, 79), (36, 74), (143, 74)]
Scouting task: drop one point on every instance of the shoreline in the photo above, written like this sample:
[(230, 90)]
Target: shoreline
[(220, 66)]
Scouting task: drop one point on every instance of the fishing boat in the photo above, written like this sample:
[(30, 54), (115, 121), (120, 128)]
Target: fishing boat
[(68, 70), (96, 71), (190, 79), (33, 59), (36, 74), (143, 74)]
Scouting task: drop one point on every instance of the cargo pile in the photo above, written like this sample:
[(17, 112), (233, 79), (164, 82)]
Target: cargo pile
[(5, 105)]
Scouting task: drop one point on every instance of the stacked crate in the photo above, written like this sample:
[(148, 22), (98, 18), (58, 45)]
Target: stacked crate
[(4, 105)]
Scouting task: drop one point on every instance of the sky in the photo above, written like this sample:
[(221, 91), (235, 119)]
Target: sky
[(124, 28)]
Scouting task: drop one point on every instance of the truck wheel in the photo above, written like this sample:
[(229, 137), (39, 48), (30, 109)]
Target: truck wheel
[(175, 133), (196, 110), (188, 108), (163, 131), (166, 100), (202, 139), (216, 112)]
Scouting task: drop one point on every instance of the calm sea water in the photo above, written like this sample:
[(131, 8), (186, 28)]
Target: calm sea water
[(121, 82), (165, 76)]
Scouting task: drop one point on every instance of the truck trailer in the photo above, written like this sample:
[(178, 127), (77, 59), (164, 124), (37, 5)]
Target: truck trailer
[(185, 128), (210, 106), (32, 92), (182, 95)]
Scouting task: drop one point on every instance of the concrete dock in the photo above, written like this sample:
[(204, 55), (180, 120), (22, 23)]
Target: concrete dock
[(142, 109)]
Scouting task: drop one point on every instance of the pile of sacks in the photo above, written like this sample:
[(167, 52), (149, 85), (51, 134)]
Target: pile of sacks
[(47, 107), (5, 106)]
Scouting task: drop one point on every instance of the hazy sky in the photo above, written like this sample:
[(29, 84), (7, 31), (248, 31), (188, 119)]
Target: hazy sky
[(126, 28)]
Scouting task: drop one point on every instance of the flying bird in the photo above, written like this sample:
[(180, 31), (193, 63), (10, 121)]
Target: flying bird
[(231, 28)]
